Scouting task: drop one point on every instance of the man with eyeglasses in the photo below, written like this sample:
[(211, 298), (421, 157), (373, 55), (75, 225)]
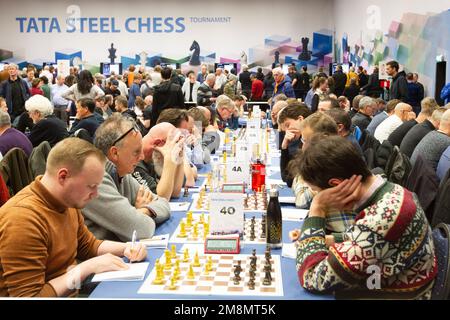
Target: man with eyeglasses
[(364, 115), (161, 170), (123, 205)]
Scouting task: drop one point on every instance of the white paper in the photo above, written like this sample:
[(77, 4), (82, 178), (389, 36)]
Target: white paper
[(192, 248), (136, 272), (286, 200), (289, 250), (293, 214), (160, 241), (179, 206)]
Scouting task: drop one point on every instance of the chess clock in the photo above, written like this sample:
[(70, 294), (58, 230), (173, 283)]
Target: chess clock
[(233, 188), (222, 244)]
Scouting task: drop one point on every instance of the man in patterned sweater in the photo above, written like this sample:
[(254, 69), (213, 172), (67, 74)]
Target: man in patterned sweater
[(387, 253)]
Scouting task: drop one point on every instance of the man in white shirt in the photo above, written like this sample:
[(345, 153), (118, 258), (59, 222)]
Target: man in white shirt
[(60, 104), (401, 114), (46, 72), (221, 79)]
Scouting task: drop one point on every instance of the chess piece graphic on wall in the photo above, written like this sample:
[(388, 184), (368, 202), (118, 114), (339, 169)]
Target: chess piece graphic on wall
[(305, 55), (195, 57), (276, 62), (143, 58), (112, 53), (243, 58)]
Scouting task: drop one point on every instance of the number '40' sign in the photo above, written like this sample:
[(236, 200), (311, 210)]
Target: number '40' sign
[(227, 212)]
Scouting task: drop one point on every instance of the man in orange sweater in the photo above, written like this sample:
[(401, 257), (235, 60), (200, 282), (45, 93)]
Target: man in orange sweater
[(42, 231)]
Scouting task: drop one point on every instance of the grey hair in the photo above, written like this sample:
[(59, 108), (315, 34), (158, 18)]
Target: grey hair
[(224, 101), (210, 76), (365, 102), (437, 114), (110, 130), (5, 119), (39, 103)]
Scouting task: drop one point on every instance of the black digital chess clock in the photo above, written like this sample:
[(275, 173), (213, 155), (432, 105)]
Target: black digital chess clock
[(233, 187), (222, 244)]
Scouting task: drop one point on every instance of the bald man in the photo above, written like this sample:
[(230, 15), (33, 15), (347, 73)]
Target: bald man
[(161, 170), (401, 114)]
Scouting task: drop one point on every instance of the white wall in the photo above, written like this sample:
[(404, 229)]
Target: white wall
[(251, 21), (351, 16)]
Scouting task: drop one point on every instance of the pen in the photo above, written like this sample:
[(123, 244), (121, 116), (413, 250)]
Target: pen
[(133, 243)]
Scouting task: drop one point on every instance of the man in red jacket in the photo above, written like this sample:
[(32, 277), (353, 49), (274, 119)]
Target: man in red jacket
[(257, 88)]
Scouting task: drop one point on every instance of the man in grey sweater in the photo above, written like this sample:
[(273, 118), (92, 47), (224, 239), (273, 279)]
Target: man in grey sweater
[(434, 143), (123, 205)]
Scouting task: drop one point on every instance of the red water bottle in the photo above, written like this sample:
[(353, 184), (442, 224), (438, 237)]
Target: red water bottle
[(258, 175)]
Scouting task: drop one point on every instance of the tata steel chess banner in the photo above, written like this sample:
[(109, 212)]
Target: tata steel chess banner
[(222, 31)]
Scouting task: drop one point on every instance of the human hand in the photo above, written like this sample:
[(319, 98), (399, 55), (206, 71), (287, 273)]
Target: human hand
[(105, 263), (341, 197), (288, 137), (294, 235), (143, 197), (138, 253)]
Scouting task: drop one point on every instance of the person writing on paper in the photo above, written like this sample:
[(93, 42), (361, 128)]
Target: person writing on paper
[(42, 231), (123, 205), (390, 234), (160, 170)]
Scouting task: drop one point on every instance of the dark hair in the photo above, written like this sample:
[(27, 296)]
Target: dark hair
[(393, 64), (390, 106), (70, 80), (238, 98), (166, 73), (173, 116), (87, 103), (340, 117), (122, 100), (35, 82), (328, 158), (293, 111), (318, 82), (189, 72), (44, 79), (410, 76), (259, 69), (85, 82), (334, 103)]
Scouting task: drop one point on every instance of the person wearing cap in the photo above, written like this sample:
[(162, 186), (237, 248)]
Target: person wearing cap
[(113, 88)]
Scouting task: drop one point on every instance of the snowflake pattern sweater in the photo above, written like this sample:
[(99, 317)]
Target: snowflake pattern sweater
[(390, 234)]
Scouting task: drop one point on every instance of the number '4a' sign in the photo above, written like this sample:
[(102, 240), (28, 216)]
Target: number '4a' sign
[(238, 172), (227, 213)]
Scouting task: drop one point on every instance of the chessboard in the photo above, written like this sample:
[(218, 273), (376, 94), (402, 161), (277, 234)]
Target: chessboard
[(257, 236), (253, 202), (222, 274)]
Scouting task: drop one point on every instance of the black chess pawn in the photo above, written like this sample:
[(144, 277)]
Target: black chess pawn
[(237, 271), (186, 192), (254, 253), (267, 279)]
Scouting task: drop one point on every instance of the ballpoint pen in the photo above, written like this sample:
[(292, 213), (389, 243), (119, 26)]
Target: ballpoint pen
[(133, 244)]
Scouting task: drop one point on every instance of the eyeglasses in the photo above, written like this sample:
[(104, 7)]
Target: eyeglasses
[(134, 127)]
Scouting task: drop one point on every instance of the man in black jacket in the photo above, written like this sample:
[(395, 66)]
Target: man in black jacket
[(399, 85), (246, 83), (340, 79), (167, 95), (15, 92)]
